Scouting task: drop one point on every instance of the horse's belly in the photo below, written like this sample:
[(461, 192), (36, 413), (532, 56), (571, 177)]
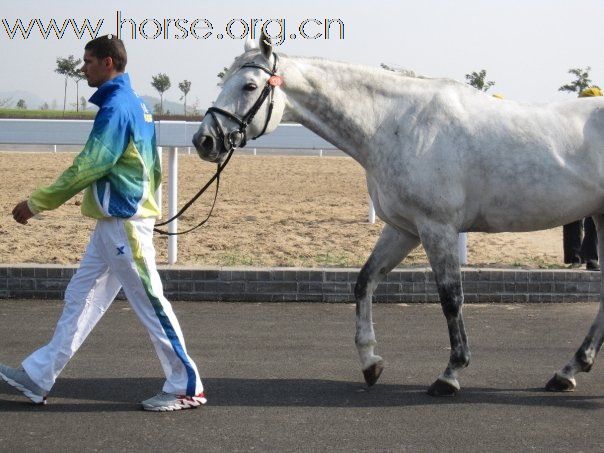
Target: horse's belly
[(532, 217)]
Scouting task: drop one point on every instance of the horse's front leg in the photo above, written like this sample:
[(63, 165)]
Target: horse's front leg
[(584, 358), (440, 242), (392, 246)]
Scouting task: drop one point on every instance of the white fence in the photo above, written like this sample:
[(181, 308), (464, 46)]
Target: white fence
[(170, 134)]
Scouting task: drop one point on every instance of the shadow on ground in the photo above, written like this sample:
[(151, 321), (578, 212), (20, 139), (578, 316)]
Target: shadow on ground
[(123, 394)]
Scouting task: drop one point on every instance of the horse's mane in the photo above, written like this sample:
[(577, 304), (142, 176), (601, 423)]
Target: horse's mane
[(381, 71), (250, 55)]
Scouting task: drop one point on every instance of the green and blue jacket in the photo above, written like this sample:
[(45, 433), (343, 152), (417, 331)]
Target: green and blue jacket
[(119, 166)]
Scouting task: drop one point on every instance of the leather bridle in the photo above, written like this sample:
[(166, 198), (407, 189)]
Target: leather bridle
[(232, 140), (238, 138)]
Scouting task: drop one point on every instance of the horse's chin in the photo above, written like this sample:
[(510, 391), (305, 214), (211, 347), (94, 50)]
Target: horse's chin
[(214, 157)]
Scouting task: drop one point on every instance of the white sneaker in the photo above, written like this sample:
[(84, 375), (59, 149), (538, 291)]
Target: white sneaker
[(19, 379), (163, 402)]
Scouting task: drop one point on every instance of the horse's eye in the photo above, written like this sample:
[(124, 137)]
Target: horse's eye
[(250, 86)]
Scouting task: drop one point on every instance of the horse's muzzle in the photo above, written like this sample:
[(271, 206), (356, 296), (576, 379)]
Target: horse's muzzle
[(205, 145)]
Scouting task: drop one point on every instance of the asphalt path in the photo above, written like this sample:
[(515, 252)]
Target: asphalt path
[(285, 377)]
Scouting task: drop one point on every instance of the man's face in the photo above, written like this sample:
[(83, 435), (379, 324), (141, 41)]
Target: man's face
[(97, 70)]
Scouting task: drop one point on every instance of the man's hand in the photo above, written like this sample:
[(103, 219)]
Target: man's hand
[(22, 213)]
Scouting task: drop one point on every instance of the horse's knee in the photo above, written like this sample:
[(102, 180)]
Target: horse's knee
[(451, 298), (360, 288), (367, 277)]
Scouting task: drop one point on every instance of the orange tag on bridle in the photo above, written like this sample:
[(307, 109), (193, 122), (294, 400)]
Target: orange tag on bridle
[(275, 81)]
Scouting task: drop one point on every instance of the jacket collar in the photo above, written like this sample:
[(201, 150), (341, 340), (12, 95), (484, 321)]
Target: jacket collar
[(101, 94)]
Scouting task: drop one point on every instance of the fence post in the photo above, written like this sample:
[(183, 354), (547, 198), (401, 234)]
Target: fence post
[(463, 248), (158, 194), (55, 148), (172, 203)]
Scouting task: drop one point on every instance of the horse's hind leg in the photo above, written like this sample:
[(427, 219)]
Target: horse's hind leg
[(440, 243), (583, 360), (392, 246)]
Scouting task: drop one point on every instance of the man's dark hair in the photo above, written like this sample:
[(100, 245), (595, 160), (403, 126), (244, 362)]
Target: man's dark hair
[(109, 46)]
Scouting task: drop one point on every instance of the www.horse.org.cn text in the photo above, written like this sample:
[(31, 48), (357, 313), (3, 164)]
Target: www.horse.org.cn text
[(128, 28)]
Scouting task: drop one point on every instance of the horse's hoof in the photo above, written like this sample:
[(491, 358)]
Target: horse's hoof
[(442, 388), (560, 384), (372, 374)]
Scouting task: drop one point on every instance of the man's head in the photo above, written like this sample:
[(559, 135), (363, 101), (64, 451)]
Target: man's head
[(104, 58)]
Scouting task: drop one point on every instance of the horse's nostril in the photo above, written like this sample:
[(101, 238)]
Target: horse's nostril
[(207, 143), (203, 143)]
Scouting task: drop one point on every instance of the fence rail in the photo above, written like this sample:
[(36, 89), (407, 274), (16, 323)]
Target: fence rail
[(169, 133)]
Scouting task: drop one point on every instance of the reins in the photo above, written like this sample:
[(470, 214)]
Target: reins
[(231, 141), (216, 178)]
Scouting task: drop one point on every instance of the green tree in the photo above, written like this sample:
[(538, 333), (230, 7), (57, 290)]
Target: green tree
[(477, 80), (21, 104), (5, 102), (77, 75), (185, 87), (83, 103), (66, 67), (45, 106), (581, 82), (161, 82)]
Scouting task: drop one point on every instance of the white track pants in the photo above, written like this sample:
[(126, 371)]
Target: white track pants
[(120, 254)]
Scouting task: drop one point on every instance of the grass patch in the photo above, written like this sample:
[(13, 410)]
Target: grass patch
[(333, 260), (46, 114), (235, 259)]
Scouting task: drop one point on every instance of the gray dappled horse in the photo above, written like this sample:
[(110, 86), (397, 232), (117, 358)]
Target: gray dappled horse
[(440, 158)]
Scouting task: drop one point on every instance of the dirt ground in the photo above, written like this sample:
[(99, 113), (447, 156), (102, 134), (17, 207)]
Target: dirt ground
[(271, 211)]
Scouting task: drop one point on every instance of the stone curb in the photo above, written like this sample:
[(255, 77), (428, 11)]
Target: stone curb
[(403, 285)]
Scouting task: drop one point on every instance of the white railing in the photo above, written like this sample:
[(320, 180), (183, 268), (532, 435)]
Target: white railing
[(170, 134)]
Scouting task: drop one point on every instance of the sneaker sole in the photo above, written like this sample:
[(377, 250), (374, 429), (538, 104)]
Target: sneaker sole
[(37, 399), (193, 403)]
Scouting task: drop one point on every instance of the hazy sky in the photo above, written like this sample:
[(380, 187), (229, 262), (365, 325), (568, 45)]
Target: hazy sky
[(526, 46)]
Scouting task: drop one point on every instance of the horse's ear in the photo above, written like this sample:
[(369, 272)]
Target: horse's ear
[(266, 45), (250, 44)]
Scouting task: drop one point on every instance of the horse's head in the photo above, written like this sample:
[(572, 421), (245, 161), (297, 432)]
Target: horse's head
[(251, 103)]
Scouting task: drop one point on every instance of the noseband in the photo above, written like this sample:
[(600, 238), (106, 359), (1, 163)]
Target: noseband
[(238, 138)]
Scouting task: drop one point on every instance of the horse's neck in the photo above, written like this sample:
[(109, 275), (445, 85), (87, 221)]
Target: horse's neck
[(344, 104)]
